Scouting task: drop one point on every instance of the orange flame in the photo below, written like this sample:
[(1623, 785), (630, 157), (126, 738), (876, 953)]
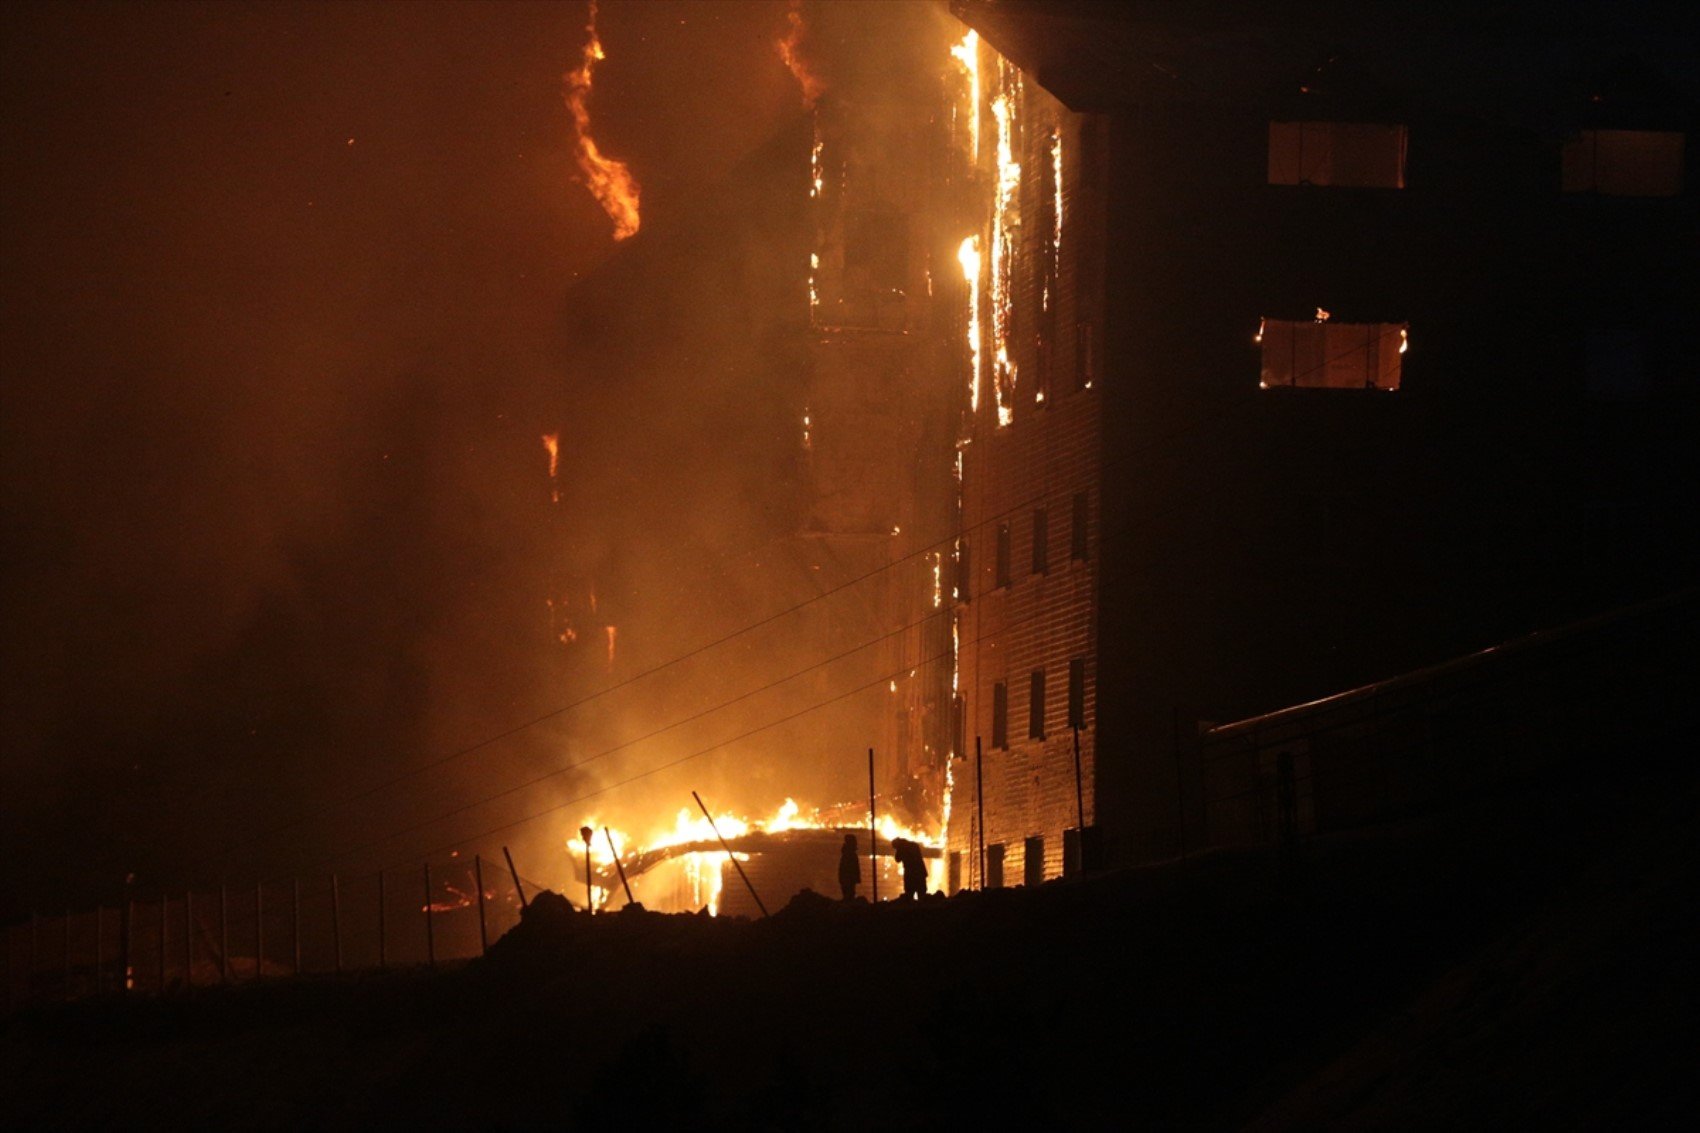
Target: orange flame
[(552, 445), (610, 181), (790, 50)]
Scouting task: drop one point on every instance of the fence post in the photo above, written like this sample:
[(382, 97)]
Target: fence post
[(430, 933), (295, 923), (188, 938), (259, 929), (383, 928), (223, 931), (873, 831), (336, 918), (478, 880)]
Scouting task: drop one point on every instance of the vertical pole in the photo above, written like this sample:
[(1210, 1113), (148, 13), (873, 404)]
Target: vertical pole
[(336, 918), (478, 880), (1079, 791), (980, 810), (736, 864), (223, 931), (873, 831), (518, 888), (615, 850), (430, 934), (164, 915), (383, 926), (259, 929), (585, 834), (126, 920), (295, 925), (188, 938)]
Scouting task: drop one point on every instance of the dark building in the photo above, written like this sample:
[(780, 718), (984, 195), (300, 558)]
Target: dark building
[(1366, 345)]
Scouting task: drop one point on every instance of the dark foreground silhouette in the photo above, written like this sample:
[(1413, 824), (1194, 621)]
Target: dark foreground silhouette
[(1521, 960)]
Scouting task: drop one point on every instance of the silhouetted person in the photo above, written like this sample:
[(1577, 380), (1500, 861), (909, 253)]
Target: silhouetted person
[(849, 867), (908, 855)]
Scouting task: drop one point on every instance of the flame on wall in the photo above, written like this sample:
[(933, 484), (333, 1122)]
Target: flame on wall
[(609, 180), (790, 49), (552, 445), (967, 53), (968, 255), (1006, 220)]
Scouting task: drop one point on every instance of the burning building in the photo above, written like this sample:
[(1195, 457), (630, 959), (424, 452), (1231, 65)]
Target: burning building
[(1069, 374)]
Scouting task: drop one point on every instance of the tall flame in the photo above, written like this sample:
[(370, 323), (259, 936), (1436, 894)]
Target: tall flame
[(1006, 220), (968, 255), (967, 53), (791, 51), (610, 181)]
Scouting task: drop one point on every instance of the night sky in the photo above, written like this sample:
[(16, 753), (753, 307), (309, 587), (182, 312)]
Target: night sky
[(284, 291)]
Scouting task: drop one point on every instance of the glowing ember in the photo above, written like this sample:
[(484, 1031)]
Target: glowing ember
[(1404, 339), (609, 180), (552, 445), (1322, 316), (968, 255), (790, 50)]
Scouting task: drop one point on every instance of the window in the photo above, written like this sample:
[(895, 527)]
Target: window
[(1041, 541), (1077, 693), (1036, 705), (1000, 716), (1357, 155), (1003, 554), (1623, 163), (994, 866), (1033, 861), (1077, 528), (953, 875), (1317, 354), (1085, 355)]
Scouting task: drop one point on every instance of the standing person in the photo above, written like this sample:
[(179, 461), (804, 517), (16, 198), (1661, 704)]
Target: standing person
[(908, 855), (849, 867)]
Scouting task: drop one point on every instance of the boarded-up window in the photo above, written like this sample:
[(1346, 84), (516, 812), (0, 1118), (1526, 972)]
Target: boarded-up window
[(1033, 861), (1623, 163), (1077, 693), (1000, 716), (994, 866), (1041, 541), (1359, 155), (1003, 555), (1036, 705), (1331, 355)]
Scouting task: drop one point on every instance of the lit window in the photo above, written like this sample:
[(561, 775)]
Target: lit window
[(1358, 155), (1033, 861), (1623, 163), (1000, 716), (1036, 705), (1328, 355)]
